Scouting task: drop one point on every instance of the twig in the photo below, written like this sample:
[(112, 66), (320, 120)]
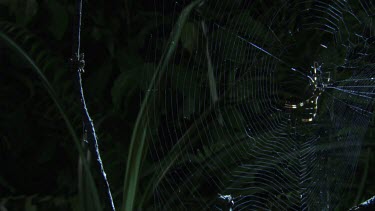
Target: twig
[(77, 66)]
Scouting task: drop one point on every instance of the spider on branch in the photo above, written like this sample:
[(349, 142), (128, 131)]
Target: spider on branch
[(78, 62)]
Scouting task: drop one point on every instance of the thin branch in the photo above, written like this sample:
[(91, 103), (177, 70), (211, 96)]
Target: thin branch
[(77, 66)]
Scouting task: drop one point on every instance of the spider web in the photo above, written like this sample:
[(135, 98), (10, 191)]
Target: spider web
[(263, 105)]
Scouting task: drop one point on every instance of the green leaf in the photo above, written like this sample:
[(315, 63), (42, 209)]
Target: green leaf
[(4, 2), (30, 10), (128, 59), (249, 25), (23, 10), (103, 75), (58, 19), (29, 206), (234, 119), (128, 81), (189, 36), (187, 83)]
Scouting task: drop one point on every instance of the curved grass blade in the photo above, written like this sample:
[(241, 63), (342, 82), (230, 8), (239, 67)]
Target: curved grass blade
[(138, 140)]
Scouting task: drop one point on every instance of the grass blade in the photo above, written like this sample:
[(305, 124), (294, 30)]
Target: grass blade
[(137, 144)]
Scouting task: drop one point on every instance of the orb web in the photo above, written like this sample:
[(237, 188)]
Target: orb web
[(262, 104)]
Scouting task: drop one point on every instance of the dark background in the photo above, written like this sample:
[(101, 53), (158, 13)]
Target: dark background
[(38, 158)]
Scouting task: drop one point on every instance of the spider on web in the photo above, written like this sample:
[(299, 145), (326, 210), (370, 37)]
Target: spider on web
[(319, 83)]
